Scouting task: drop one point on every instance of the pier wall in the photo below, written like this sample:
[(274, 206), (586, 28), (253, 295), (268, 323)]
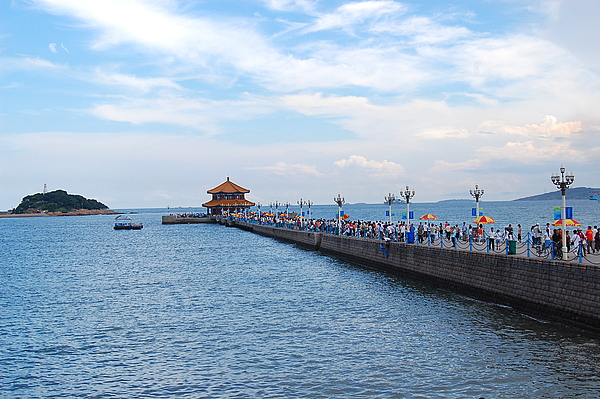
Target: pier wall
[(174, 219), (553, 290)]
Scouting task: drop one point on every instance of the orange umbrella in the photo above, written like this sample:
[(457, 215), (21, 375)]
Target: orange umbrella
[(429, 216), (570, 222), (484, 220)]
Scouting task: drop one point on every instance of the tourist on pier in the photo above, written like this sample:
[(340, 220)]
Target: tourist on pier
[(547, 241), (492, 239), (536, 234), (578, 240), (589, 238), (557, 240), (519, 233)]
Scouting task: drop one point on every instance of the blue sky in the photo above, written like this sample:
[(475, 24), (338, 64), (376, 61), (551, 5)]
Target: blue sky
[(149, 103)]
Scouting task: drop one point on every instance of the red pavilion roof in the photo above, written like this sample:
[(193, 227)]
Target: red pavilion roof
[(228, 187)]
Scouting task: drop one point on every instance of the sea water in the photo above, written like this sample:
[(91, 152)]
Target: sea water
[(206, 311)]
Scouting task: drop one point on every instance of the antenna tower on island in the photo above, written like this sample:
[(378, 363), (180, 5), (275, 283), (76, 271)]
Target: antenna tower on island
[(45, 189)]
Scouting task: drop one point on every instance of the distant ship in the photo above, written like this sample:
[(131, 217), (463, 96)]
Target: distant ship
[(594, 196)]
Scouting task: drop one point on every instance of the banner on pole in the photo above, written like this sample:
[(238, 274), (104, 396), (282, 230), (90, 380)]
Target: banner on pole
[(558, 213)]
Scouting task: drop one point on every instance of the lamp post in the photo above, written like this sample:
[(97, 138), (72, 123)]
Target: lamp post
[(258, 205), (287, 207), (271, 205), (301, 203), (277, 211), (339, 201), (407, 195), (563, 182), (390, 200), (477, 193), (309, 204)]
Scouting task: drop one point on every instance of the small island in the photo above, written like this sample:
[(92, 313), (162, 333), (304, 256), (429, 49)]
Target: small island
[(59, 203)]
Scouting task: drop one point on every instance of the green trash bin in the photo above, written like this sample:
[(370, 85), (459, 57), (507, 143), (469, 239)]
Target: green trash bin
[(512, 247)]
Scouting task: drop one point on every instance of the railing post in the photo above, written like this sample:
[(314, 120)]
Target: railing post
[(580, 253), (528, 247), (471, 242)]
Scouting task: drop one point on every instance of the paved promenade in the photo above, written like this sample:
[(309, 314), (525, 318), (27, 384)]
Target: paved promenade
[(501, 246)]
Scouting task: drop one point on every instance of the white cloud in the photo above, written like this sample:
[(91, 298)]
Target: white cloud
[(306, 6), (52, 47), (443, 132), (370, 167), (550, 128), (202, 114), (143, 84), (284, 169), (424, 30), (351, 14)]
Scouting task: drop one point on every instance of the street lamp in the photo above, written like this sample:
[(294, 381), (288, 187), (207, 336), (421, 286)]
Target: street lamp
[(339, 201), (258, 205), (287, 206), (301, 203), (407, 195), (277, 211), (563, 182), (477, 193), (390, 200), (309, 204)]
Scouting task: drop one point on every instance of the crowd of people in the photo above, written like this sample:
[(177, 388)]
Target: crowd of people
[(430, 233), (588, 240)]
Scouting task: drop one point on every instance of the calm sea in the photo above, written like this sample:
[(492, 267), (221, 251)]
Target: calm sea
[(205, 311)]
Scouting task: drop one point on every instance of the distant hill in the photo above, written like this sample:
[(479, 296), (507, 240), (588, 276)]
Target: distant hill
[(576, 193), (56, 201)]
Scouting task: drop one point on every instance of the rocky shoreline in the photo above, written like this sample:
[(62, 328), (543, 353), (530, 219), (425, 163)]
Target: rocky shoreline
[(81, 212)]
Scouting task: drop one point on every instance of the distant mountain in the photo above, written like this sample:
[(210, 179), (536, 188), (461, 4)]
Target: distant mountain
[(576, 193), (56, 201)]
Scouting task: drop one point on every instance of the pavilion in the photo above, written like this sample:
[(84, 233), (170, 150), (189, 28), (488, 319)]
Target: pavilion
[(227, 197)]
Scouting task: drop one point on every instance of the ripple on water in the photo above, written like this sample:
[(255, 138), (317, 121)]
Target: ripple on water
[(206, 311)]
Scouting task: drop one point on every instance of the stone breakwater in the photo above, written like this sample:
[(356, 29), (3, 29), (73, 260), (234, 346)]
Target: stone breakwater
[(563, 292)]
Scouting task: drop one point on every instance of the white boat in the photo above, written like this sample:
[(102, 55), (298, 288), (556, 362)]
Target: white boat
[(124, 222)]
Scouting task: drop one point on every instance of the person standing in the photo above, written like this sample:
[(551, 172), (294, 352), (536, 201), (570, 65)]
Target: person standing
[(589, 240), (491, 240)]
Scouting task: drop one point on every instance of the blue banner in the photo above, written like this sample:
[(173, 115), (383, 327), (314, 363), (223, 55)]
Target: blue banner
[(387, 213), (568, 212), (474, 212), (557, 213), (412, 215)]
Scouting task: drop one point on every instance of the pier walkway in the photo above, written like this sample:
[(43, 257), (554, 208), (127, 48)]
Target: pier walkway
[(524, 248)]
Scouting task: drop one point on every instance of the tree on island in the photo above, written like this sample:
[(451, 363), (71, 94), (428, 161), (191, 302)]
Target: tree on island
[(56, 201)]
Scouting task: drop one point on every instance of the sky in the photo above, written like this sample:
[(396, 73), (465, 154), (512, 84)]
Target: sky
[(150, 103)]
